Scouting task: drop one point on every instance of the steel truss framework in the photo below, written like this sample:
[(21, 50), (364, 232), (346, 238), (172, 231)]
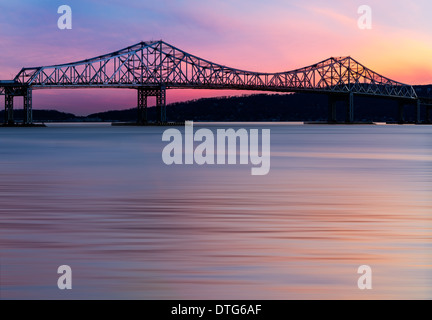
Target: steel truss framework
[(143, 94), (152, 67), (12, 90), (161, 64)]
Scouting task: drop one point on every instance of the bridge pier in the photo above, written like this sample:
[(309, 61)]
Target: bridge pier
[(161, 104), (10, 93), (332, 99), (28, 112), (418, 113), (9, 116), (143, 94), (401, 118), (331, 109), (350, 108), (142, 106)]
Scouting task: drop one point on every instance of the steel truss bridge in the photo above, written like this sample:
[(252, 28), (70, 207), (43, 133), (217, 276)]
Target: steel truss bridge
[(153, 67)]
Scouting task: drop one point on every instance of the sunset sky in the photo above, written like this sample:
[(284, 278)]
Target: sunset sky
[(256, 35)]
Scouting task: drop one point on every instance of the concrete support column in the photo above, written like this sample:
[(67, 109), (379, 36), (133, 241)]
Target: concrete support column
[(428, 118), (418, 119), (350, 108), (331, 109), (161, 104), (9, 116), (142, 106), (28, 112), (401, 118)]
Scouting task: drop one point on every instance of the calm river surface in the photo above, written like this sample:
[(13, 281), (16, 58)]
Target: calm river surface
[(101, 200)]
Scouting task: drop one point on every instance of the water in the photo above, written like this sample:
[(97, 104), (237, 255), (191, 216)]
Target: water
[(100, 199)]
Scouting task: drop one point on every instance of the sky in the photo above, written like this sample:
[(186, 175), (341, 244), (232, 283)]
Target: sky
[(255, 35)]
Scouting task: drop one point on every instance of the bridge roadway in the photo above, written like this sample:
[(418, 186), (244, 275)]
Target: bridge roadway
[(153, 67)]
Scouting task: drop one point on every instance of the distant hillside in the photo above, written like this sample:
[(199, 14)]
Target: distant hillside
[(263, 107), (44, 115)]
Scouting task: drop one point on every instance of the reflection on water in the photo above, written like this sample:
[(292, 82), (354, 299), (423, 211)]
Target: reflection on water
[(101, 200)]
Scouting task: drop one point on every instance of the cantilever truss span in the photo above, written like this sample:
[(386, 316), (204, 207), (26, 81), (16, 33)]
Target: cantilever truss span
[(152, 67), (153, 64)]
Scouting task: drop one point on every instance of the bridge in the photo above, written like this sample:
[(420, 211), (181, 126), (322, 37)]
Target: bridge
[(153, 67)]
